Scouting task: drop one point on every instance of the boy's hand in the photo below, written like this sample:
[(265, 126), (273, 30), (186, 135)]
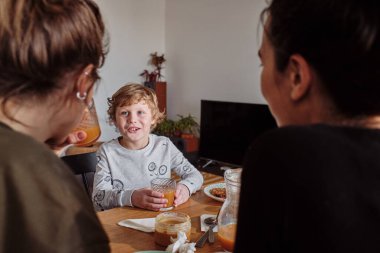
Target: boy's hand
[(182, 194), (148, 199)]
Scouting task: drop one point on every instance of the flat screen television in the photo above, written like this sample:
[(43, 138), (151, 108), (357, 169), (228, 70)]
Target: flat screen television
[(228, 128)]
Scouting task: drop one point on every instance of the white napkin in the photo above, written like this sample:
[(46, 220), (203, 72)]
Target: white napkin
[(179, 244), (204, 226), (145, 225)]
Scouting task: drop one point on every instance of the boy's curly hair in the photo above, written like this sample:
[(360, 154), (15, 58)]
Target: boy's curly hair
[(133, 93)]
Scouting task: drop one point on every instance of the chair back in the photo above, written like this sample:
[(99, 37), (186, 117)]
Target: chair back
[(84, 167)]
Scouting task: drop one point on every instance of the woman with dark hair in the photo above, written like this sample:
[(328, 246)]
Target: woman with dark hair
[(50, 51), (314, 183)]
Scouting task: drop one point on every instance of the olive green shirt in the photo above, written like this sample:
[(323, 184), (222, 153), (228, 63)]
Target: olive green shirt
[(42, 206)]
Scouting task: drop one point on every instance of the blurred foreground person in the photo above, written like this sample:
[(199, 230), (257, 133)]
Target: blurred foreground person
[(314, 183), (50, 51)]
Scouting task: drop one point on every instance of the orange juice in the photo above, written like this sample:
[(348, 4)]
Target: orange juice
[(89, 124), (167, 187), (226, 236), (93, 134), (169, 195)]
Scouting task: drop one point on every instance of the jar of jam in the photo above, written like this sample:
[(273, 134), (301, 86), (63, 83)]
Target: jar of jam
[(168, 224)]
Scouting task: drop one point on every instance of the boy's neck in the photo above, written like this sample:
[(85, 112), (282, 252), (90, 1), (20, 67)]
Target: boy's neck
[(133, 145)]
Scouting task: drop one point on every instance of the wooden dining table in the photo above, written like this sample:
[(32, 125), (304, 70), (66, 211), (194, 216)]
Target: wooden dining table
[(123, 239)]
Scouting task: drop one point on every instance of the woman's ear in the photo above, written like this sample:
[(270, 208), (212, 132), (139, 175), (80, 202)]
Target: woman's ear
[(85, 83), (300, 77)]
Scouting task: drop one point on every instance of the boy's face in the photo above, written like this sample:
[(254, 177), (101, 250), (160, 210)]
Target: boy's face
[(134, 123)]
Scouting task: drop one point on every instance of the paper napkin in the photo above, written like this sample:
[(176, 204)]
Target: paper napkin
[(180, 245), (204, 227), (145, 225)]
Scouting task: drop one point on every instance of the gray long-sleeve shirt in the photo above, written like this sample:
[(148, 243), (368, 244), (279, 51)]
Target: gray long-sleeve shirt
[(120, 171)]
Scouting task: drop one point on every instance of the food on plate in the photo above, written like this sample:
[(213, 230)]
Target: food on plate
[(219, 192)]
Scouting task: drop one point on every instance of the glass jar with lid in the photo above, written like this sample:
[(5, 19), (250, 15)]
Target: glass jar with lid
[(227, 220), (168, 224)]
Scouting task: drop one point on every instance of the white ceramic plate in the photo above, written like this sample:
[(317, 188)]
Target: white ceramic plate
[(207, 189)]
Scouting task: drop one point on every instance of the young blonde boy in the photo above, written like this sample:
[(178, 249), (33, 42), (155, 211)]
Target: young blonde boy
[(127, 164)]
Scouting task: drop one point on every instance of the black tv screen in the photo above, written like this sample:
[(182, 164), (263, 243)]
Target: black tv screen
[(228, 128)]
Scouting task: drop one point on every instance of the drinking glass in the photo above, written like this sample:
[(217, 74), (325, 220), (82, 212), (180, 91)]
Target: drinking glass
[(90, 125), (167, 186)]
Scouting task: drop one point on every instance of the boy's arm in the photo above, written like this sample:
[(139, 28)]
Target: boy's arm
[(190, 176), (106, 194)]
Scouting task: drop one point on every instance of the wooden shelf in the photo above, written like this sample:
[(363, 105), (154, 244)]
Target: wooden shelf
[(160, 89)]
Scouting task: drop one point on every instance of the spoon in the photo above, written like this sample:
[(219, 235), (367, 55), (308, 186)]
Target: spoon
[(201, 241), (211, 222)]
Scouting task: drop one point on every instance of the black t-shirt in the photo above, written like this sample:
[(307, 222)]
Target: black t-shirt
[(311, 189), (42, 206)]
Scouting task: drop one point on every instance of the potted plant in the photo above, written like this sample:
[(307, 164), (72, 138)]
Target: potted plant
[(185, 128), (157, 61), (153, 79), (189, 132), (166, 127)]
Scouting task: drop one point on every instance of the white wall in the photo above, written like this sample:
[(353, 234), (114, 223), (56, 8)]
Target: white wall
[(136, 29), (210, 46)]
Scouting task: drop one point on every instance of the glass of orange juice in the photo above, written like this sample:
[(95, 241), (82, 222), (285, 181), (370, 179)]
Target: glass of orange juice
[(90, 125), (167, 186)]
